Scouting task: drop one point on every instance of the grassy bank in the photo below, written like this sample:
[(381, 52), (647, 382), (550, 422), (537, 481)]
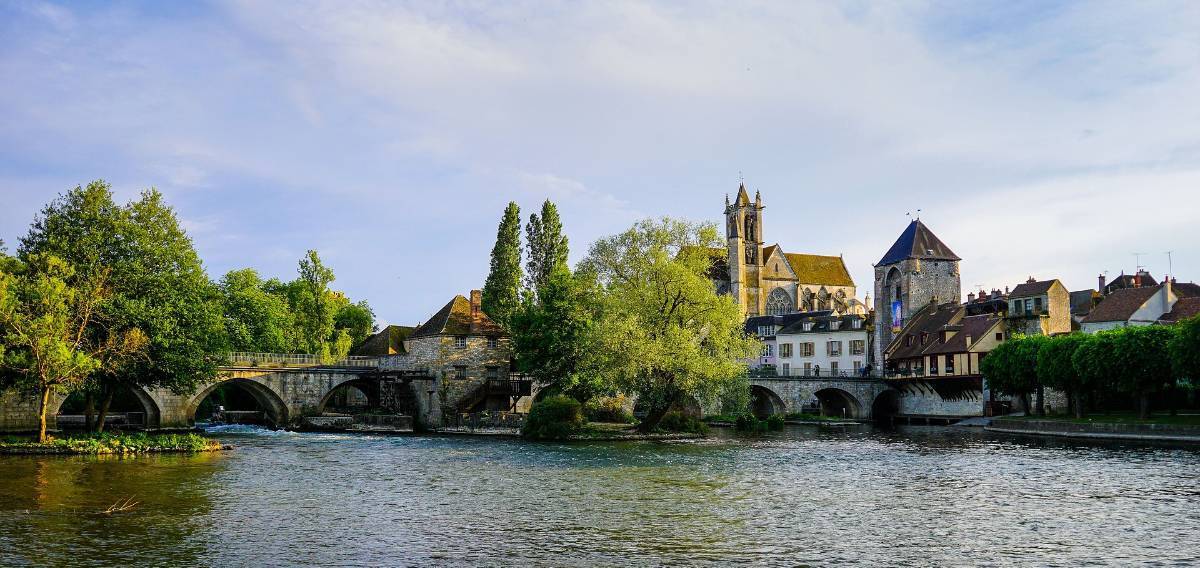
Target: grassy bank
[(1121, 418), (111, 443)]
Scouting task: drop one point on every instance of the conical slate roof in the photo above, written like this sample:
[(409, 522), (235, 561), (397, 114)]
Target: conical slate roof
[(917, 241)]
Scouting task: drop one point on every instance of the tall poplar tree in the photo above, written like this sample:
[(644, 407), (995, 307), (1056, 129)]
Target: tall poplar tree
[(546, 245), (501, 291)]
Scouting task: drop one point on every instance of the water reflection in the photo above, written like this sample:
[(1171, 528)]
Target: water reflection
[(821, 496)]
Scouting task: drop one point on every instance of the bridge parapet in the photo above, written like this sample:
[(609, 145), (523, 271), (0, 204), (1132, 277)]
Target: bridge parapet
[(284, 360)]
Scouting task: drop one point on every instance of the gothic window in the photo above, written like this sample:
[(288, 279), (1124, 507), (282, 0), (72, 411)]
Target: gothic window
[(779, 302), (750, 235), (823, 299), (840, 300)]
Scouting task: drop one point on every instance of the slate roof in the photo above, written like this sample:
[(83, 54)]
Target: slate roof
[(455, 319), (1183, 309), (917, 241), (1036, 288), (387, 340), (975, 327), (780, 320), (821, 324), (930, 320), (1129, 280), (1120, 304), (1081, 302)]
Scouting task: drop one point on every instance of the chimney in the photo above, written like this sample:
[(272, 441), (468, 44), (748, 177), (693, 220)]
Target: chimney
[(1102, 279), (476, 310), (1031, 280), (971, 297)]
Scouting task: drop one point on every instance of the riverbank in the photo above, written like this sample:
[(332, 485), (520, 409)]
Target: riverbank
[(1172, 431), (112, 443)]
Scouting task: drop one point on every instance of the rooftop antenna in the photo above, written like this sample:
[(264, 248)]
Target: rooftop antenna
[(1137, 260), (1170, 265), (918, 214)]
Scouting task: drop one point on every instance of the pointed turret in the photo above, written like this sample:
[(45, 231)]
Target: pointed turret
[(917, 241), (742, 198)]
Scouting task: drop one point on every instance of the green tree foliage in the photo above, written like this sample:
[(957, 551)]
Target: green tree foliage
[(502, 290), (1185, 351), (546, 247), (550, 335), (257, 319), (46, 310), (662, 331), (1011, 368), (1096, 363), (1144, 362), (1056, 368), (156, 281), (357, 319), (314, 307)]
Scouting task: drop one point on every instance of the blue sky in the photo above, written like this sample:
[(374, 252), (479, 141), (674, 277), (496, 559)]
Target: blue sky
[(1038, 138)]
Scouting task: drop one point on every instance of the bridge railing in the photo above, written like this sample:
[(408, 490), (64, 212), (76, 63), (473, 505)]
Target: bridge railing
[(800, 374), (296, 360)]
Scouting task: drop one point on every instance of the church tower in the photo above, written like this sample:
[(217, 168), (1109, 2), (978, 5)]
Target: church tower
[(743, 221), (918, 270)]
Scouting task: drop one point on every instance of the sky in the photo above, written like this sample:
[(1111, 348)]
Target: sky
[(1043, 139)]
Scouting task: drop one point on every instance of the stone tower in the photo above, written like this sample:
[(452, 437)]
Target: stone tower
[(743, 221), (918, 270)]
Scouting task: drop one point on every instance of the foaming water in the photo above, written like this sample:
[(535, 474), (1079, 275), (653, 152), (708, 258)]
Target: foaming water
[(818, 496)]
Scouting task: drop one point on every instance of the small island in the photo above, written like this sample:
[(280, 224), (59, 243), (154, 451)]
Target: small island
[(112, 444)]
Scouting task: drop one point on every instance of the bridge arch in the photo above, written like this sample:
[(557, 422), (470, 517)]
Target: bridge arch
[(837, 402), (274, 408), (151, 409), (368, 387), (764, 402), (885, 406)]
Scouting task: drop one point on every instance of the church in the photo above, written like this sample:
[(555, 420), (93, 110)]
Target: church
[(765, 280)]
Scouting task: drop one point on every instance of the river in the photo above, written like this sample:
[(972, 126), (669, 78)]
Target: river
[(918, 496)]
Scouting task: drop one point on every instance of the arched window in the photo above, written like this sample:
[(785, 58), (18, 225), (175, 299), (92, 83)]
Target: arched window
[(779, 302), (807, 303), (823, 299)]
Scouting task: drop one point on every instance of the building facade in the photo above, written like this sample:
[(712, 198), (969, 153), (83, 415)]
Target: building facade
[(765, 280), (824, 346), (1039, 308)]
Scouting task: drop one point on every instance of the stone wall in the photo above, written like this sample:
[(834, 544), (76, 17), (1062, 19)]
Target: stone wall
[(920, 282), (927, 403), (795, 393)]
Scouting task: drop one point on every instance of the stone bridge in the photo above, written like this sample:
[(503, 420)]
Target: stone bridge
[(285, 393), (853, 397)]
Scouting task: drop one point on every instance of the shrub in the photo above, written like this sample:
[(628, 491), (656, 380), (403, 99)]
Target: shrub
[(554, 418), (609, 409), (680, 422), (752, 425), (775, 423)]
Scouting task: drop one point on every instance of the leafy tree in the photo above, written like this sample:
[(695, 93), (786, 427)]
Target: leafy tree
[(502, 290), (546, 247), (1185, 350), (157, 282), (551, 333), (256, 319), (313, 305), (357, 319), (1056, 369), (45, 315), (1011, 369), (1144, 362), (1096, 363), (662, 331)]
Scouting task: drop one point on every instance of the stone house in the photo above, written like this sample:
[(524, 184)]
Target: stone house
[(824, 345), (1039, 308), (1145, 305)]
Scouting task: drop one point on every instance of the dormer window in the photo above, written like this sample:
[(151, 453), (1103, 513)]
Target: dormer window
[(924, 338), (856, 324), (807, 326), (834, 325)]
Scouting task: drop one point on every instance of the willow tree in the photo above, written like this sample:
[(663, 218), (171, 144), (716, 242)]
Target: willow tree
[(662, 332)]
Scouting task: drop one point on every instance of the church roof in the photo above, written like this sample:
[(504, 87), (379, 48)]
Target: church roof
[(743, 198), (917, 241), (819, 269)]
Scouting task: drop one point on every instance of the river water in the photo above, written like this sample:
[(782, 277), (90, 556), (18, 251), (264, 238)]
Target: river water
[(918, 496)]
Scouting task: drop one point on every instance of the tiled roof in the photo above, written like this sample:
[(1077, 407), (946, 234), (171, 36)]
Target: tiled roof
[(819, 269), (1081, 302), (1036, 288), (1183, 309), (917, 241), (1186, 289), (780, 321), (455, 319), (1120, 305), (387, 340), (821, 324), (975, 327), (929, 320)]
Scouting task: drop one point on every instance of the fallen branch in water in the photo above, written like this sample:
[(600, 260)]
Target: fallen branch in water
[(120, 506)]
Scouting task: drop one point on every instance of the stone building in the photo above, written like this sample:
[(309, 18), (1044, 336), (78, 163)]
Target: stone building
[(765, 280), (918, 270), (1039, 308), (467, 353), (1144, 305)]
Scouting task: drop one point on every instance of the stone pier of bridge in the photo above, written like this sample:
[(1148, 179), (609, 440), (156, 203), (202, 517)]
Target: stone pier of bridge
[(853, 397)]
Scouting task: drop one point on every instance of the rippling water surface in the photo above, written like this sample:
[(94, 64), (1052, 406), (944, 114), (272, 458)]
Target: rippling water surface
[(825, 497)]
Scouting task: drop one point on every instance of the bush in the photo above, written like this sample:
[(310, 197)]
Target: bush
[(775, 423), (752, 425), (554, 418), (609, 409), (680, 422)]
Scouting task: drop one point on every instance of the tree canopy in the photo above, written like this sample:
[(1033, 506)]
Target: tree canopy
[(502, 289)]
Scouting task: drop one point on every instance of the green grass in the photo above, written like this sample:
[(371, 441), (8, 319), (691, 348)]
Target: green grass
[(111, 443), (1122, 418)]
